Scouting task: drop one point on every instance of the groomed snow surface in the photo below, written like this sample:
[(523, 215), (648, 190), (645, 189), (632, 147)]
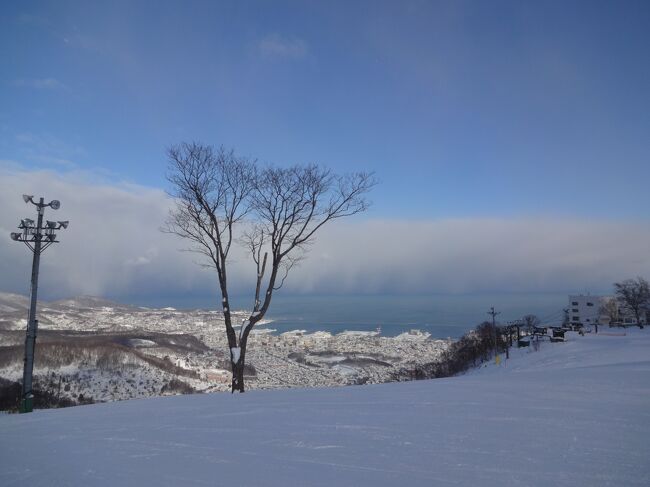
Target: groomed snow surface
[(574, 413)]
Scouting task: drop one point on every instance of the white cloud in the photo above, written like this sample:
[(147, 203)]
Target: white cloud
[(48, 149), (476, 255), (276, 46), (114, 247), (40, 83), (148, 257)]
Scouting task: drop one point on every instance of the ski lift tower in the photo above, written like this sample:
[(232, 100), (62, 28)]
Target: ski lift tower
[(38, 238)]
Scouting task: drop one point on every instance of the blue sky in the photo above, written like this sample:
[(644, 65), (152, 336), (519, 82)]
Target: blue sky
[(462, 108), (487, 123)]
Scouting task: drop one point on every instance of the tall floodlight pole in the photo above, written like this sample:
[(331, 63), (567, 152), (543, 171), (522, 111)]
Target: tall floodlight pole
[(37, 238), (494, 327)]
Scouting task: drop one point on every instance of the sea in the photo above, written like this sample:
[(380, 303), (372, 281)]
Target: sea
[(443, 316)]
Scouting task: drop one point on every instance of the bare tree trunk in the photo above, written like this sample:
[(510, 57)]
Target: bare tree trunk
[(237, 377), (258, 314), (238, 366), (260, 276)]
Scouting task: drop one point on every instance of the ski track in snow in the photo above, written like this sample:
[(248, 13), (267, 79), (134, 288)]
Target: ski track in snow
[(571, 414)]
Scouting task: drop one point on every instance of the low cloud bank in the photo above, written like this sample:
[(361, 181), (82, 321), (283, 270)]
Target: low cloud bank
[(114, 247)]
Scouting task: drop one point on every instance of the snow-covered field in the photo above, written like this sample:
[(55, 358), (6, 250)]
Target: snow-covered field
[(575, 413)]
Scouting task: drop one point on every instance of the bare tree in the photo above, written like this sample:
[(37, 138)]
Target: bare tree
[(530, 322), (274, 212), (609, 309), (634, 295)]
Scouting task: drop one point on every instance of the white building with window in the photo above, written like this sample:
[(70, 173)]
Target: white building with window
[(585, 310)]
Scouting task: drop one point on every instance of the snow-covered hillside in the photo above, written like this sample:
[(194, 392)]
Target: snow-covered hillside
[(574, 414)]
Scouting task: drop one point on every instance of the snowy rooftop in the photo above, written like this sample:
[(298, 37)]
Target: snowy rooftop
[(575, 413)]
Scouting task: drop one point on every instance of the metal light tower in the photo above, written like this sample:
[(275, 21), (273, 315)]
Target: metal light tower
[(493, 313), (37, 238)]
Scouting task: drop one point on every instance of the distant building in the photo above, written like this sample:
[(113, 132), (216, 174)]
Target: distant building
[(585, 310), (589, 310)]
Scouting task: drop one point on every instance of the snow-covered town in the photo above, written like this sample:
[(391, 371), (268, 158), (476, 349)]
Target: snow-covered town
[(103, 351)]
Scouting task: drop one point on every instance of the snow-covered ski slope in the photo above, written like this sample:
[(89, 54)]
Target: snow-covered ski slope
[(575, 413)]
